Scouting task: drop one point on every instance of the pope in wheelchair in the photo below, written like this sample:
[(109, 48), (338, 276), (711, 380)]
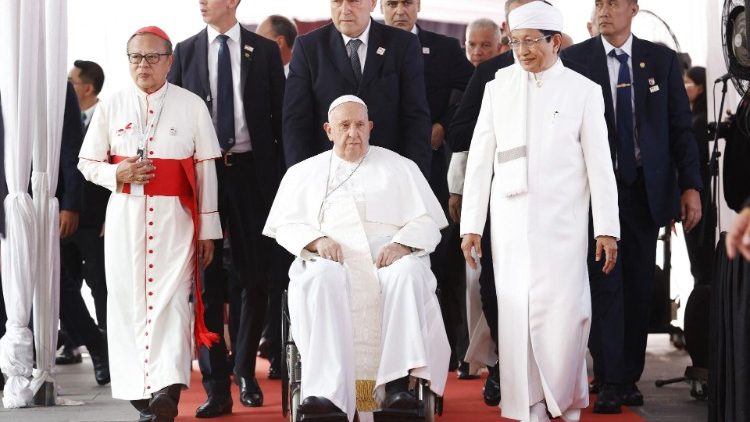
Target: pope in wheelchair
[(361, 221)]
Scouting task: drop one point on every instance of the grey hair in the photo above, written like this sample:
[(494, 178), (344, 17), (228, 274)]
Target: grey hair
[(483, 24)]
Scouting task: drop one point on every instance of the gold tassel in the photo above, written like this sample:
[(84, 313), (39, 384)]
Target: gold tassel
[(365, 396)]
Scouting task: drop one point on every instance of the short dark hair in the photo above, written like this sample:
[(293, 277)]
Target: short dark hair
[(167, 44), (90, 73), (549, 34), (282, 26)]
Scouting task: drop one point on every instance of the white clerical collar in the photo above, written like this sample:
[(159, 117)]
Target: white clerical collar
[(233, 33), (365, 37), (626, 48), (415, 30), (154, 95)]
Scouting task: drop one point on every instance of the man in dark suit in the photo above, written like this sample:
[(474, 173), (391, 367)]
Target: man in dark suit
[(82, 248), (356, 55), (241, 78), (446, 71), (656, 163)]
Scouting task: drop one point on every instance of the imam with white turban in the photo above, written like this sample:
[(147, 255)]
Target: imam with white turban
[(539, 156)]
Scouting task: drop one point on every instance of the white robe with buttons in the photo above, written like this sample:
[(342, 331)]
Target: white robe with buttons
[(388, 200), (540, 238), (148, 243)]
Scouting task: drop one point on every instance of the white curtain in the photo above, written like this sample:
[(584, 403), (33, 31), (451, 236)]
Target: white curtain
[(33, 50)]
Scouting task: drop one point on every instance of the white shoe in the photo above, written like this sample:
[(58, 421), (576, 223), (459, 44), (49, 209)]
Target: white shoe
[(538, 412), (571, 415)]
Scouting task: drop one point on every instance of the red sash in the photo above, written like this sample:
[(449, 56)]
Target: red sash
[(177, 178)]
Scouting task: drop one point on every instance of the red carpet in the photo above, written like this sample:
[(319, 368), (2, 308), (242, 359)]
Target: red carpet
[(463, 403)]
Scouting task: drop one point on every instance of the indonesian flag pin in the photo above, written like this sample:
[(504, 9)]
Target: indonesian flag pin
[(651, 81)]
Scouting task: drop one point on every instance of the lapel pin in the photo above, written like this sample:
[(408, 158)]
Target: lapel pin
[(425, 50), (172, 131), (651, 82), (247, 55), (248, 48), (643, 65), (381, 51), (654, 88)]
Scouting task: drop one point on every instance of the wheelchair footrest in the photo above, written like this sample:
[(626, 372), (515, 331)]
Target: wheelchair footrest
[(324, 417), (398, 415)]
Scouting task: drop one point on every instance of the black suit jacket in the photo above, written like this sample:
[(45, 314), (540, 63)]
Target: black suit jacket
[(95, 200), (70, 180), (446, 73), (663, 119), (445, 69), (392, 86), (262, 81)]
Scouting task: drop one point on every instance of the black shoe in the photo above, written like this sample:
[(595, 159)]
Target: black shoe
[(608, 400), (250, 394), (491, 392), (398, 395), (144, 414), (631, 395), (214, 407), (68, 356), (2, 382), (274, 372), (264, 348), (314, 405), (464, 373), (100, 360), (594, 386), (163, 404)]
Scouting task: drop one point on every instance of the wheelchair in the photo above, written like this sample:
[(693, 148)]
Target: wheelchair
[(291, 388)]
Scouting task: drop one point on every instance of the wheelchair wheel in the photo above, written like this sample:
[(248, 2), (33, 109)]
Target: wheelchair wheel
[(429, 401)]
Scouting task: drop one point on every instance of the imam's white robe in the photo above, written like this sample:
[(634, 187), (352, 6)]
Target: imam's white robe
[(148, 244), (540, 238), (386, 200)]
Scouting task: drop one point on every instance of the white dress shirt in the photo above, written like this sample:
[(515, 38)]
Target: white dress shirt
[(362, 50), (241, 133), (614, 72), (88, 113)]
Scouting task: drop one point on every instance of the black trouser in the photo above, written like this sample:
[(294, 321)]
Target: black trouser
[(243, 213), (281, 261), (82, 258), (449, 267), (621, 301), (487, 290), (701, 242)]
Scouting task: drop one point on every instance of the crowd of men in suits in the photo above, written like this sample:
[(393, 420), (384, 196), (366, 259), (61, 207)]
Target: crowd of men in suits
[(269, 96)]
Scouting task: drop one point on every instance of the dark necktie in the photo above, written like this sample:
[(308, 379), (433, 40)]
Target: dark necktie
[(83, 119), (626, 143), (352, 47), (225, 100)]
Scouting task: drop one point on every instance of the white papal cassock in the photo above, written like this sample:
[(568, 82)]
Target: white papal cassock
[(540, 237), (149, 242), (346, 331)]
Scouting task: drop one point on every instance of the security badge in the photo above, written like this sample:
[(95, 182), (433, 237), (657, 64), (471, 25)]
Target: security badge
[(380, 51), (653, 87), (425, 50)]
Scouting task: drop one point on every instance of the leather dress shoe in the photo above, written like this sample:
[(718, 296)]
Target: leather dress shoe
[(631, 395), (250, 394), (463, 372), (215, 406), (274, 372), (141, 406), (491, 392), (608, 400), (398, 395), (163, 404), (68, 356), (594, 386), (100, 360), (314, 405)]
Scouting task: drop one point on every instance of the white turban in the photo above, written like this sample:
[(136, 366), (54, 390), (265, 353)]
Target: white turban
[(345, 99), (536, 15)]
